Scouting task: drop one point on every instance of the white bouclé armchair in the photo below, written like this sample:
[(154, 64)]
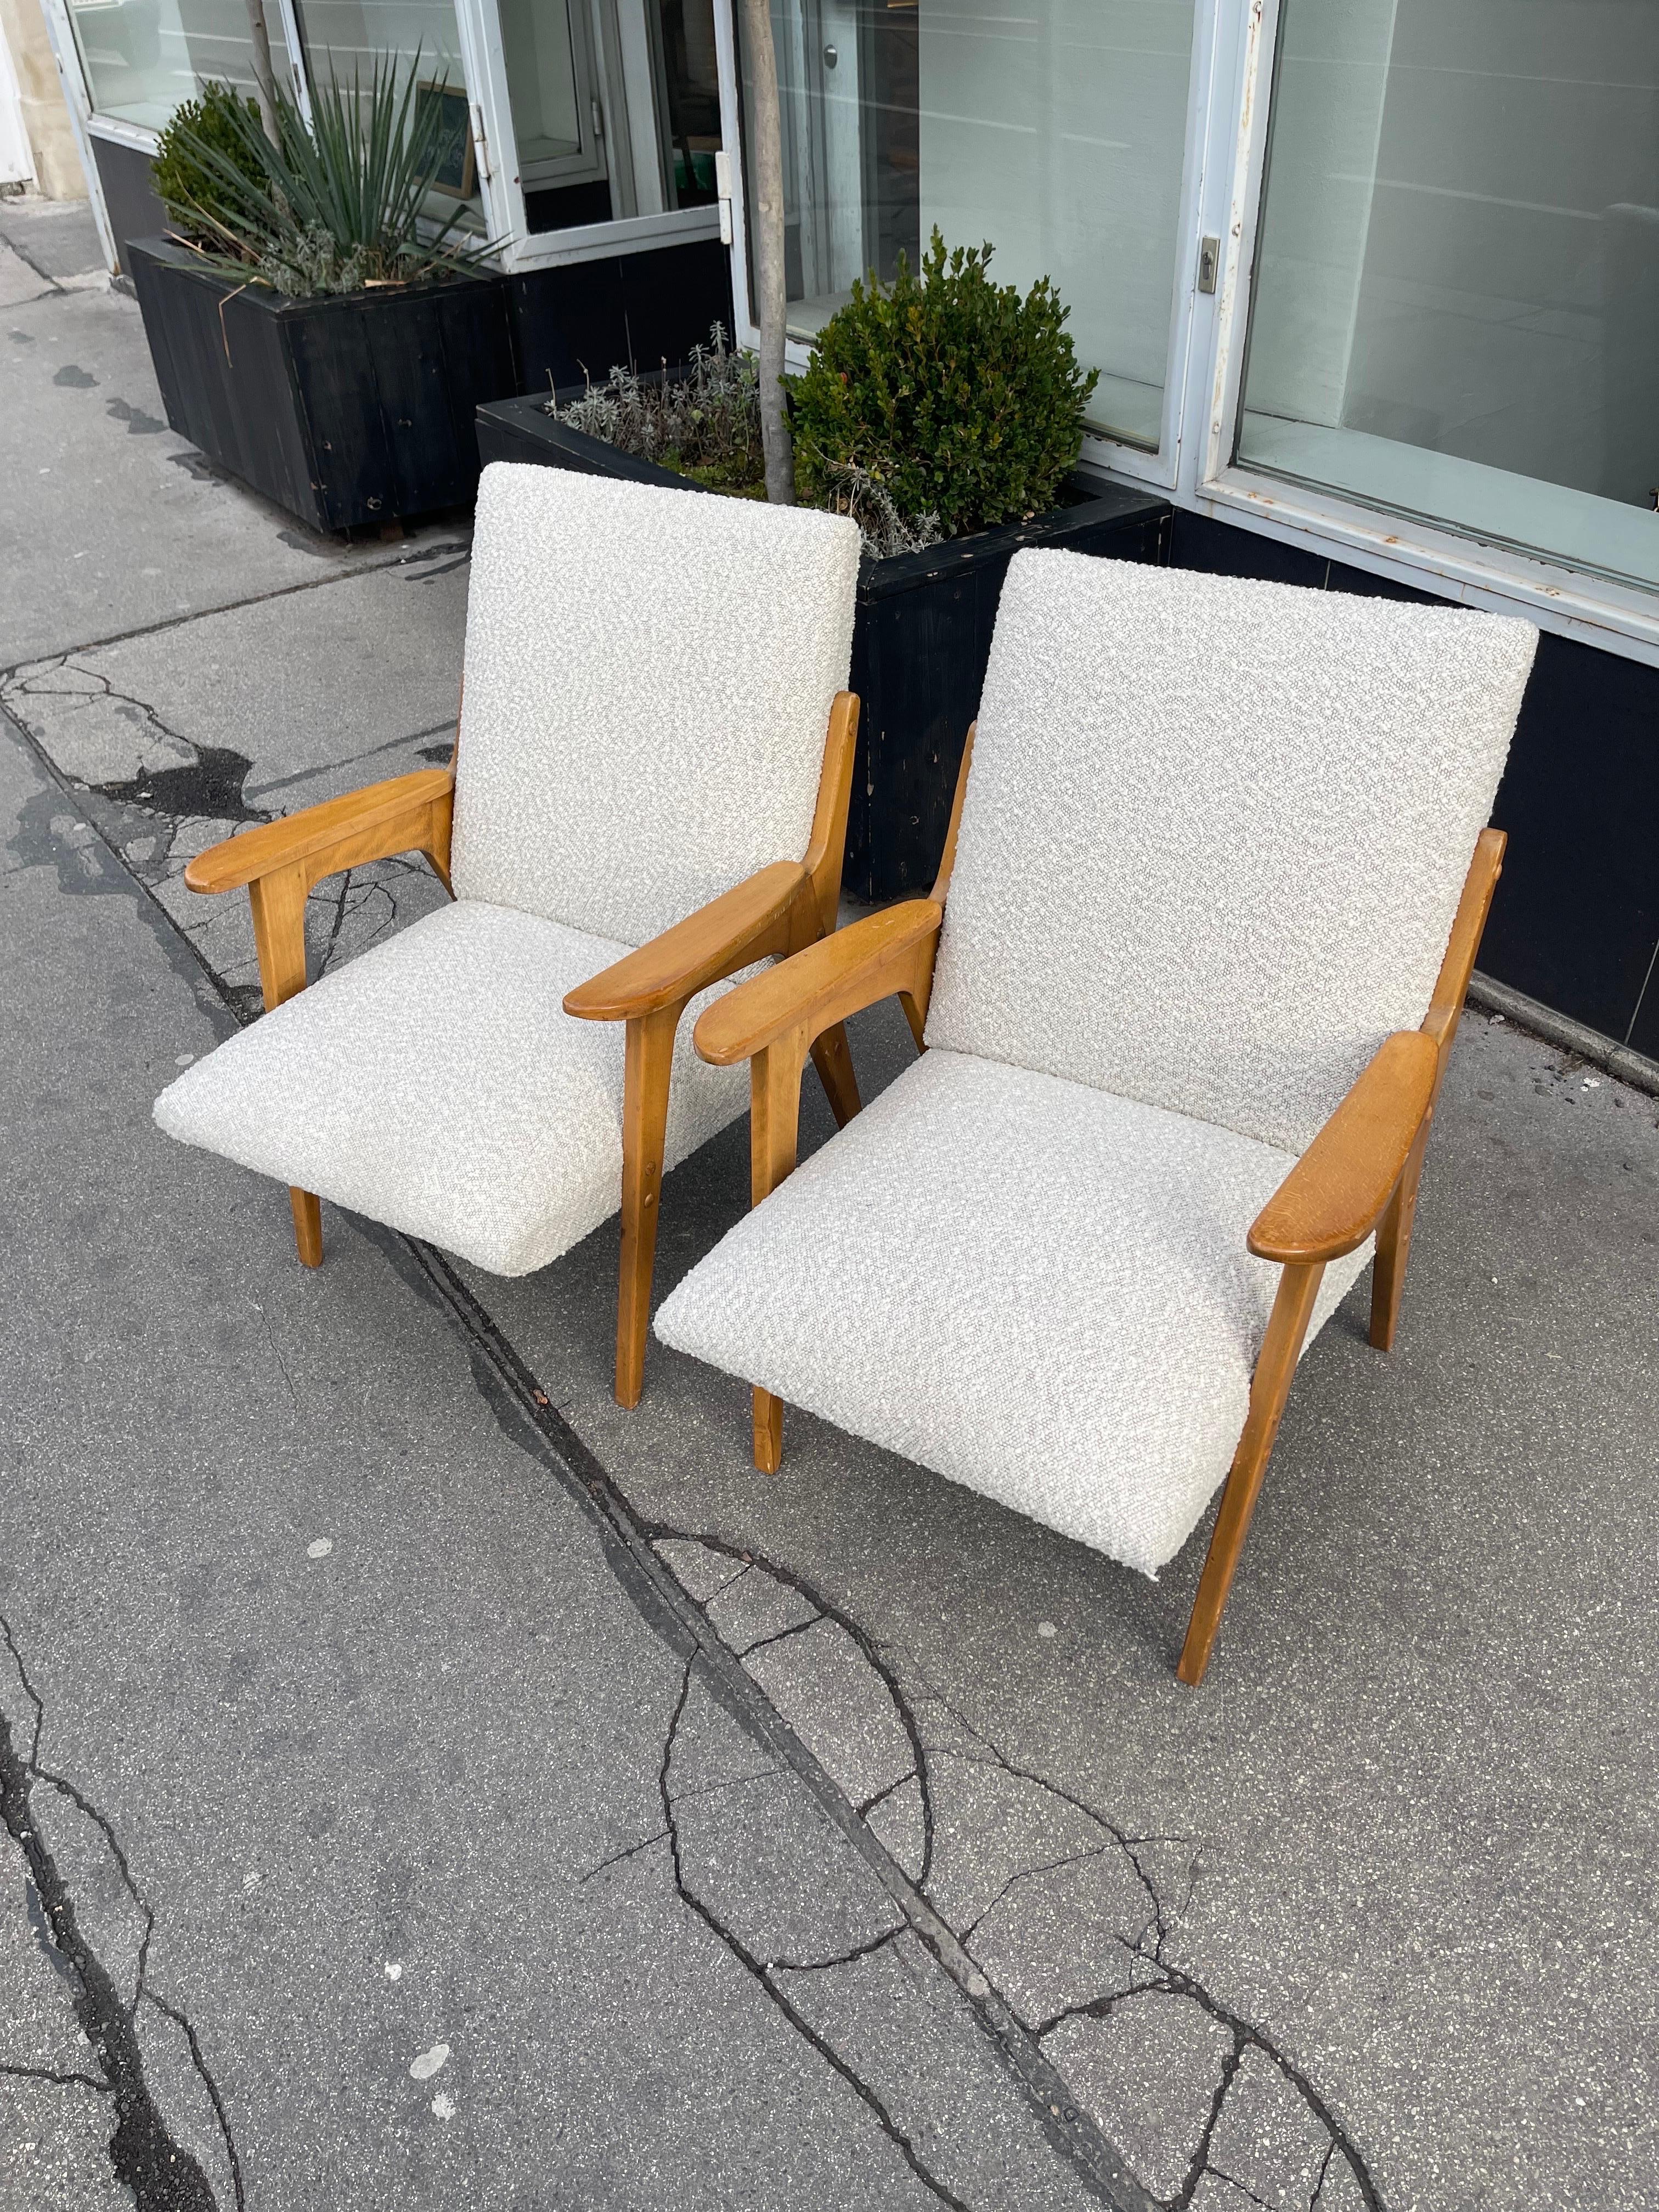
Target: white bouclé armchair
[(649, 795), (1215, 887)]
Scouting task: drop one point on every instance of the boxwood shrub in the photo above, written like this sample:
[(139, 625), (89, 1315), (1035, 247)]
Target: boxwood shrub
[(963, 400)]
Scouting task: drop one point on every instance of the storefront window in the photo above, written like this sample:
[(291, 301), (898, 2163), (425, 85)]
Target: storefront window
[(1456, 310), (348, 39), (143, 57), (615, 107), (1054, 128)]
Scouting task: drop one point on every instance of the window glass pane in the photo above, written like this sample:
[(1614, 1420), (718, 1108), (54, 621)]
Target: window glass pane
[(616, 106), (542, 79), (1456, 310), (343, 36), (143, 57), (688, 98), (1056, 129)]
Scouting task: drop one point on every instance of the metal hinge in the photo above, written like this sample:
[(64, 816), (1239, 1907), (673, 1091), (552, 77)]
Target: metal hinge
[(599, 117), (1209, 262), (723, 192), (480, 143)]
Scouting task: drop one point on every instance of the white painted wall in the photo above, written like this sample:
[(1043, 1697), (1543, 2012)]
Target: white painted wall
[(16, 161)]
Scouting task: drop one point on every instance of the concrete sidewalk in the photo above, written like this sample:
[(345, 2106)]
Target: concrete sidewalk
[(745, 1842)]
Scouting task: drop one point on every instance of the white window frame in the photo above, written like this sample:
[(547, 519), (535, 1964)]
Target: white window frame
[(1453, 564), (492, 129), (478, 29), (1233, 47)]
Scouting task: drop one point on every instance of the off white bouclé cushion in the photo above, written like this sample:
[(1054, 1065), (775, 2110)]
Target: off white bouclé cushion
[(1027, 1285), (1215, 832), (435, 1084), (649, 675)]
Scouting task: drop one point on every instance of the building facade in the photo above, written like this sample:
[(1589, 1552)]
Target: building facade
[(1372, 288)]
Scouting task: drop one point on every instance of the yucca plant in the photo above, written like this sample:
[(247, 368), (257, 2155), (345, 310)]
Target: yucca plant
[(337, 205)]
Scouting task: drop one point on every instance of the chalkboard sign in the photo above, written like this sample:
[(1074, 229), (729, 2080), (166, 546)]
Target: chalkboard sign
[(454, 169)]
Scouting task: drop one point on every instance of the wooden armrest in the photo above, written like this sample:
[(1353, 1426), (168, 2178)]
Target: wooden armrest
[(371, 824), (886, 953), (1340, 1188), (744, 924)]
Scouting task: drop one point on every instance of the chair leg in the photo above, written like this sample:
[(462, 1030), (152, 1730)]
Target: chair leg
[(307, 1225), (769, 1431), (1269, 1388), (833, 1059), (1394, 1244), (650, 1051), (773, 1131)]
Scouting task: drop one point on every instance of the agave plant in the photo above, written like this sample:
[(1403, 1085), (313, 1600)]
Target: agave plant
[(336, 204)]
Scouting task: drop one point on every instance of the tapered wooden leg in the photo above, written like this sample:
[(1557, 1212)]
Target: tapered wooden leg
[(774, 1129), (1269, 1388), (307, 1225), (769, 1431), (1394, 1244), (645, 1119), (833, 1059)]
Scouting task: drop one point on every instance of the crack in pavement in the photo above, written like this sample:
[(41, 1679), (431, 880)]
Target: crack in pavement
[(63, 2080), (1175, 1981), (659, 1534), (1144, 1950), (144, 2153), (764, 1970), (205, 785), (631, 1543), (189, 792), (634, 1549), (371, 566)]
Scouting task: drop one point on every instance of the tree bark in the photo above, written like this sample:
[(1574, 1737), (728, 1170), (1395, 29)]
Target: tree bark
[(771, 304), (264, 75)]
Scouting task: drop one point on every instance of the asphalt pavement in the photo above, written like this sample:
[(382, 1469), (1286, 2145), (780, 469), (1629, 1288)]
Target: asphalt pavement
[(425, 1784)]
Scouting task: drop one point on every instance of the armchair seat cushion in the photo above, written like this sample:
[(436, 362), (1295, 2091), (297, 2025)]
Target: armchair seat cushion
[(1037, 1288), (436, 1084)]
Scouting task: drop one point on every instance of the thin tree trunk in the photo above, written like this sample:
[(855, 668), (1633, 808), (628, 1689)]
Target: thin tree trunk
[(769, 282), (264, 75)]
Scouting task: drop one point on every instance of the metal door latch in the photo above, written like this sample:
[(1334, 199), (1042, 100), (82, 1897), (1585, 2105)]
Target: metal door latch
[(1209, 262)]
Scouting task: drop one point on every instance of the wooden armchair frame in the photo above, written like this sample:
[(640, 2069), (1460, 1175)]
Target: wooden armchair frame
[(1360, 1174), (779, 910)]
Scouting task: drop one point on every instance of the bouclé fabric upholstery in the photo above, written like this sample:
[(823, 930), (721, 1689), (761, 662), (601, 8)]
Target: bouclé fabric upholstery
[(1214, 838), (1215, 832), (436, 1084), (1032, 1287), (649, 675)]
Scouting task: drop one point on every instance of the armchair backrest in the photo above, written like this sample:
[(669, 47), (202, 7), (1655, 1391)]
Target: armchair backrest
[(649, 674), (1215, 832)]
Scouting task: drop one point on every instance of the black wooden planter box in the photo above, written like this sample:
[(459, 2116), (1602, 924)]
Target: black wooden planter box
[(345, 411), (920, 643)]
